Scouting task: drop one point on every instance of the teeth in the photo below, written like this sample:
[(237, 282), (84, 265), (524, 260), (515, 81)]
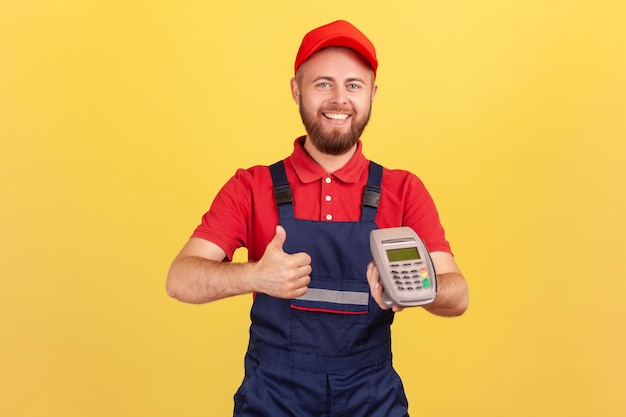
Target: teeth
[(336, 116)]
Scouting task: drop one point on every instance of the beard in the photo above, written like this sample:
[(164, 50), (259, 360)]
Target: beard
[(332, 141)]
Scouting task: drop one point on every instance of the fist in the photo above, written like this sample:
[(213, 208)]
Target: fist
[(280, 274)]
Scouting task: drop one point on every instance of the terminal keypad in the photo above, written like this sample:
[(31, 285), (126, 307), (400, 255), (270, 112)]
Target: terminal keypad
[(410, 276)]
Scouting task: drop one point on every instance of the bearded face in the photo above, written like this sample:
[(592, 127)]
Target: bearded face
[(334, 90)]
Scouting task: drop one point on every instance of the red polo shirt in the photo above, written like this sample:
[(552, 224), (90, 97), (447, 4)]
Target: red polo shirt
[(244, 212)]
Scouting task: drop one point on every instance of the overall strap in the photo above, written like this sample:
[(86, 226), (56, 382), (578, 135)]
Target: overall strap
[(282, 190), (371, 195)]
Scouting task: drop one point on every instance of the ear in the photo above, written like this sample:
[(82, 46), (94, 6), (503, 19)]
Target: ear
[(374, 90), (295, 91)]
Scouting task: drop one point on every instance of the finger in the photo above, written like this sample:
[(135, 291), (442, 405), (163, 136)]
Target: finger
[(301, 259), (279, 238), (373, 278), (299, 292), (298, 287), (303, 271), (376, 288), (304, 280)]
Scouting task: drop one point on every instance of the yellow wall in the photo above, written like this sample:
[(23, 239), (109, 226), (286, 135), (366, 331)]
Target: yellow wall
[(120, 120)]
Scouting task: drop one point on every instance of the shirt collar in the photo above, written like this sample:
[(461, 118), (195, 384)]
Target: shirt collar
[(308, 170)]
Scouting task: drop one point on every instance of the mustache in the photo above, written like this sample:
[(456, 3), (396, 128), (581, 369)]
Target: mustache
[(337, 109)]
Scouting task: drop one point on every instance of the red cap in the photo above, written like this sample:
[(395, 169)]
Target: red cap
[(339, 33)]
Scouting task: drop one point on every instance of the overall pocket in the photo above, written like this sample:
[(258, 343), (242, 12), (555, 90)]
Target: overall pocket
[(331, 318)]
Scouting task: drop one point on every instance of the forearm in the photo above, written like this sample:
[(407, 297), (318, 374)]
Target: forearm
[(198, 280), (452, 296)]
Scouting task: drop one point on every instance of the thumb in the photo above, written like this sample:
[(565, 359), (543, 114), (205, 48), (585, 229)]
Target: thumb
[(279, 238)]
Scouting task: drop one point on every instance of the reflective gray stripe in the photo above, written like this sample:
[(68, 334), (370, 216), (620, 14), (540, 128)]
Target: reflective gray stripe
[(337, 297)]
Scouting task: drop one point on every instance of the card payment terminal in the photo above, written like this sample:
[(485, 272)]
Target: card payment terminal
[(406, 270)]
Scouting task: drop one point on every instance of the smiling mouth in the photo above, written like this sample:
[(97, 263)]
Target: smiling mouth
[(336, 116)]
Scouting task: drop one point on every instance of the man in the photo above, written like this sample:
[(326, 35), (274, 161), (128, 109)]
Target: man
[(313, 351)]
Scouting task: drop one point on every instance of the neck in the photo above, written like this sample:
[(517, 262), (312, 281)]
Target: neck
[(330, 163)]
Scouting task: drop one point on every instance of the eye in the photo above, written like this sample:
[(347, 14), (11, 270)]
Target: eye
[(353, 86), (323, 84)]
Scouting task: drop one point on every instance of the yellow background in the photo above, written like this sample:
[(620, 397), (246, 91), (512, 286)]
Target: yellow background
[(120, 120)]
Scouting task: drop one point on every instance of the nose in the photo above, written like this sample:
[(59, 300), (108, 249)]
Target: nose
[(339, 96)]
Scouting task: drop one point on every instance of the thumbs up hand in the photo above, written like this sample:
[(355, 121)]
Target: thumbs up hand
[(280, 274)]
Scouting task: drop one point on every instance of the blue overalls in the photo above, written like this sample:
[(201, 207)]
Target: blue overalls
[(327, 353)]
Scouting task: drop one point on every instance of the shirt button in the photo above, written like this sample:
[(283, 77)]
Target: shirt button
[(328, 198), (328, 180), (329, 217)]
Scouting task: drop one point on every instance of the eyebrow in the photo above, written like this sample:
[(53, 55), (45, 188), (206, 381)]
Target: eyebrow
[(327, 78)]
